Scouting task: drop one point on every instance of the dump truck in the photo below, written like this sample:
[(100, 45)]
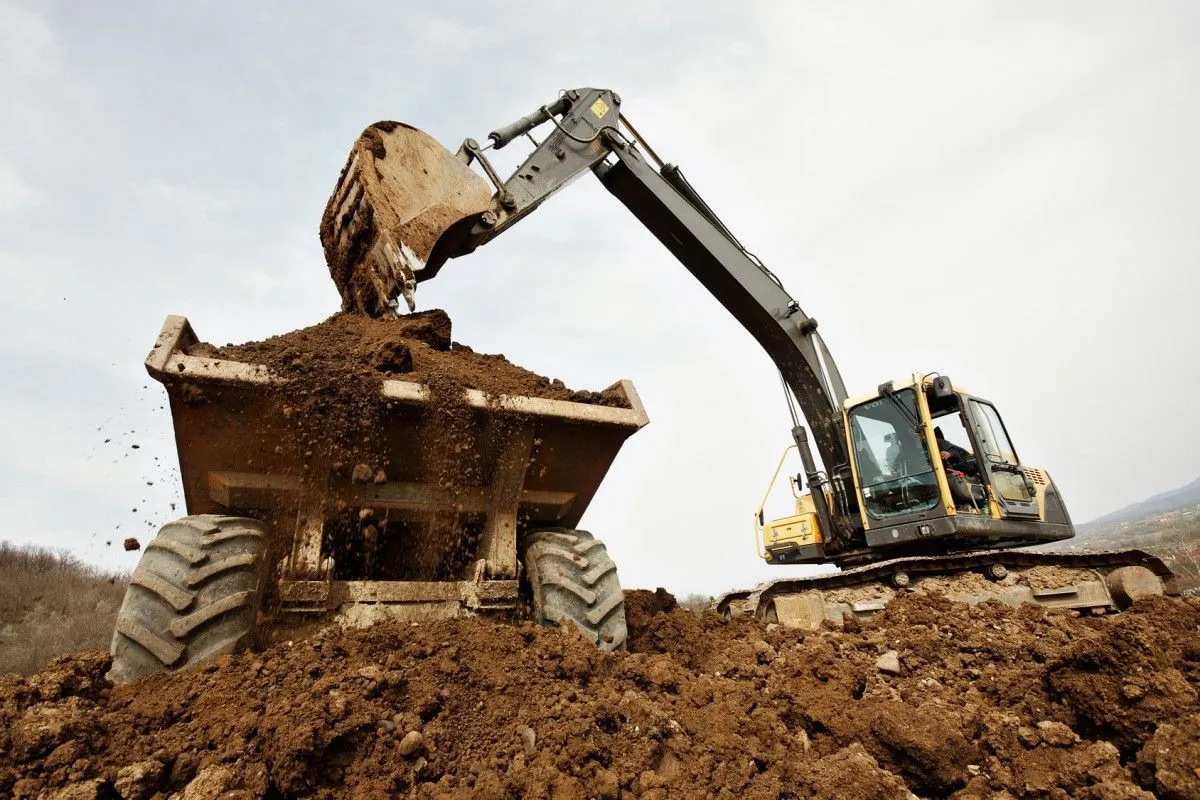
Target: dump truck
[(263, 546), (918, 480)]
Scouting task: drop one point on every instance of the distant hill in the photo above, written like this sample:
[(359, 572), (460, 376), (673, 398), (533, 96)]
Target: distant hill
[(1183, 497), (1166, 525)]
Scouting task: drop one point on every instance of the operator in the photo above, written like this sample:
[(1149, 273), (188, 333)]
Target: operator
[(953, 456)]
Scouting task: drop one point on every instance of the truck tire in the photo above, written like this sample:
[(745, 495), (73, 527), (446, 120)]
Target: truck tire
[(194, 596), (573, 579)]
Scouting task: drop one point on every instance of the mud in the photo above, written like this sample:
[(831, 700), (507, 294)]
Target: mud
[(990, 702)]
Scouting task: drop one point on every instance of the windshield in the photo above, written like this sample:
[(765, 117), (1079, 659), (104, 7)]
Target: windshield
[(894, 470)]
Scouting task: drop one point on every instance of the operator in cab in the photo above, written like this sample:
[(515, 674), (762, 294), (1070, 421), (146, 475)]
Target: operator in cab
[(953, 456)]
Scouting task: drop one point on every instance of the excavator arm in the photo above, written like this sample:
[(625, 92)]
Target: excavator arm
[(590, 134)]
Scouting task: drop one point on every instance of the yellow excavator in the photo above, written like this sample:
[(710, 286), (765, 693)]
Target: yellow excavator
[(919, 482)]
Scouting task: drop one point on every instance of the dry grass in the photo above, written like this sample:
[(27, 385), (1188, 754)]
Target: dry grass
[(52, 603), (696, 603)]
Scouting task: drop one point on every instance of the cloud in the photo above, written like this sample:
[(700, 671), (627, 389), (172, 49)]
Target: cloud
[(15, 195), (27, 42)]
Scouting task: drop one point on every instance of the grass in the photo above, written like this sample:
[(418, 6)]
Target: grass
[(52, 603), (696, 603)]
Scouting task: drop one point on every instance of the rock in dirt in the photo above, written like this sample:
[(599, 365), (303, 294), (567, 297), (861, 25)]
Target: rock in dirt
[(852, 772), (889, 662), (528, 740), (85, 790), (1170, 761), (1056, 734), (138, 781), (412, 743)]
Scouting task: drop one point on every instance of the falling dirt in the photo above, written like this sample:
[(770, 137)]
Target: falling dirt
[(990, 702)]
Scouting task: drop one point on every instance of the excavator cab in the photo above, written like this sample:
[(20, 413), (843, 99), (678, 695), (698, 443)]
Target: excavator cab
[(933, 471)]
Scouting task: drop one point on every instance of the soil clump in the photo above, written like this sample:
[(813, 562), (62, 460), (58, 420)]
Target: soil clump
[(990, 702)]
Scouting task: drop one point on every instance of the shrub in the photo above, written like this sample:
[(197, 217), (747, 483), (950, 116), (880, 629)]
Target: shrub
[(52, 603)]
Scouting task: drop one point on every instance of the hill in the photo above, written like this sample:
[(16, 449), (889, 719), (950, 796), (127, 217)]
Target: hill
[(52, 603), (1173, 536), (1183, 497)]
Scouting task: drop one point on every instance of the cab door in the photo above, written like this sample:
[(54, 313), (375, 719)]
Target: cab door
[(998, 460)]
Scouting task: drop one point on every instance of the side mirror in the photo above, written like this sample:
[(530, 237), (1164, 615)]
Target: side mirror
[(943, 389), (760, 518), (799, 481)]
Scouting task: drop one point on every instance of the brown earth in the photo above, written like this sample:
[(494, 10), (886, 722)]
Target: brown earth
[(990, 702), (414, 347), (331, 374)]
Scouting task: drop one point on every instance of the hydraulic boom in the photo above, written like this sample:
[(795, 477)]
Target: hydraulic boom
[(586, 136)]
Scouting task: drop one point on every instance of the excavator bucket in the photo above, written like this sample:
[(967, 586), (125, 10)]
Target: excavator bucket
[(399, 192)]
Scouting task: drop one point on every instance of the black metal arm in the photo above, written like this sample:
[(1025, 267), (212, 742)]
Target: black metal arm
[(587, 134)]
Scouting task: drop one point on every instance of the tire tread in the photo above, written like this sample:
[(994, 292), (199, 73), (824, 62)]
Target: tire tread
[(574, 580), (194, 595)]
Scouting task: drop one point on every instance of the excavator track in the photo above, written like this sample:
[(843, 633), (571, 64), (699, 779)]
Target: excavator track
[(1096, 582)]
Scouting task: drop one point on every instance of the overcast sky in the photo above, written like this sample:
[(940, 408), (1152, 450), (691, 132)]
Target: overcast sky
[(1006, 192)]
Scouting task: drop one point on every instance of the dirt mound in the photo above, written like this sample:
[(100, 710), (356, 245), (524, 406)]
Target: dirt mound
[(415, 347), (330, 390), (990, 702)]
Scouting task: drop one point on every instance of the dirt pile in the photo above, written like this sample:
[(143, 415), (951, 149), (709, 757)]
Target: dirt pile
[(331, 379), (415, 347), (989, 702)]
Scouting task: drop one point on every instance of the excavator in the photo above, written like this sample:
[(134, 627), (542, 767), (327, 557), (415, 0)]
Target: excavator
[(919, 481)]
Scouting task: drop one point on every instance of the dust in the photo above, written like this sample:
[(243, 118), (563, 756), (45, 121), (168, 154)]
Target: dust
[(991, 702)]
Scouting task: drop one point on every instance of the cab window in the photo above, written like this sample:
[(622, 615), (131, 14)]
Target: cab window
[(893, 462), (989, 431)]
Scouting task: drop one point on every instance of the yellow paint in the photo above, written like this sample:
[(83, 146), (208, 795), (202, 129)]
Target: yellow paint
[(801, 529), (599, 108)]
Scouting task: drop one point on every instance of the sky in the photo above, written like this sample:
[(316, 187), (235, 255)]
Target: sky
[(1006, 193)]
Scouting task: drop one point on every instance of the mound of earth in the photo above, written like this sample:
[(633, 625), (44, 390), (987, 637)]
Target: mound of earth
[(987, 702), (414, 347), (328, 392)]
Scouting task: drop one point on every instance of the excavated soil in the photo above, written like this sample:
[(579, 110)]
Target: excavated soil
[(980, 702), (331, 377), (415, 347)]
